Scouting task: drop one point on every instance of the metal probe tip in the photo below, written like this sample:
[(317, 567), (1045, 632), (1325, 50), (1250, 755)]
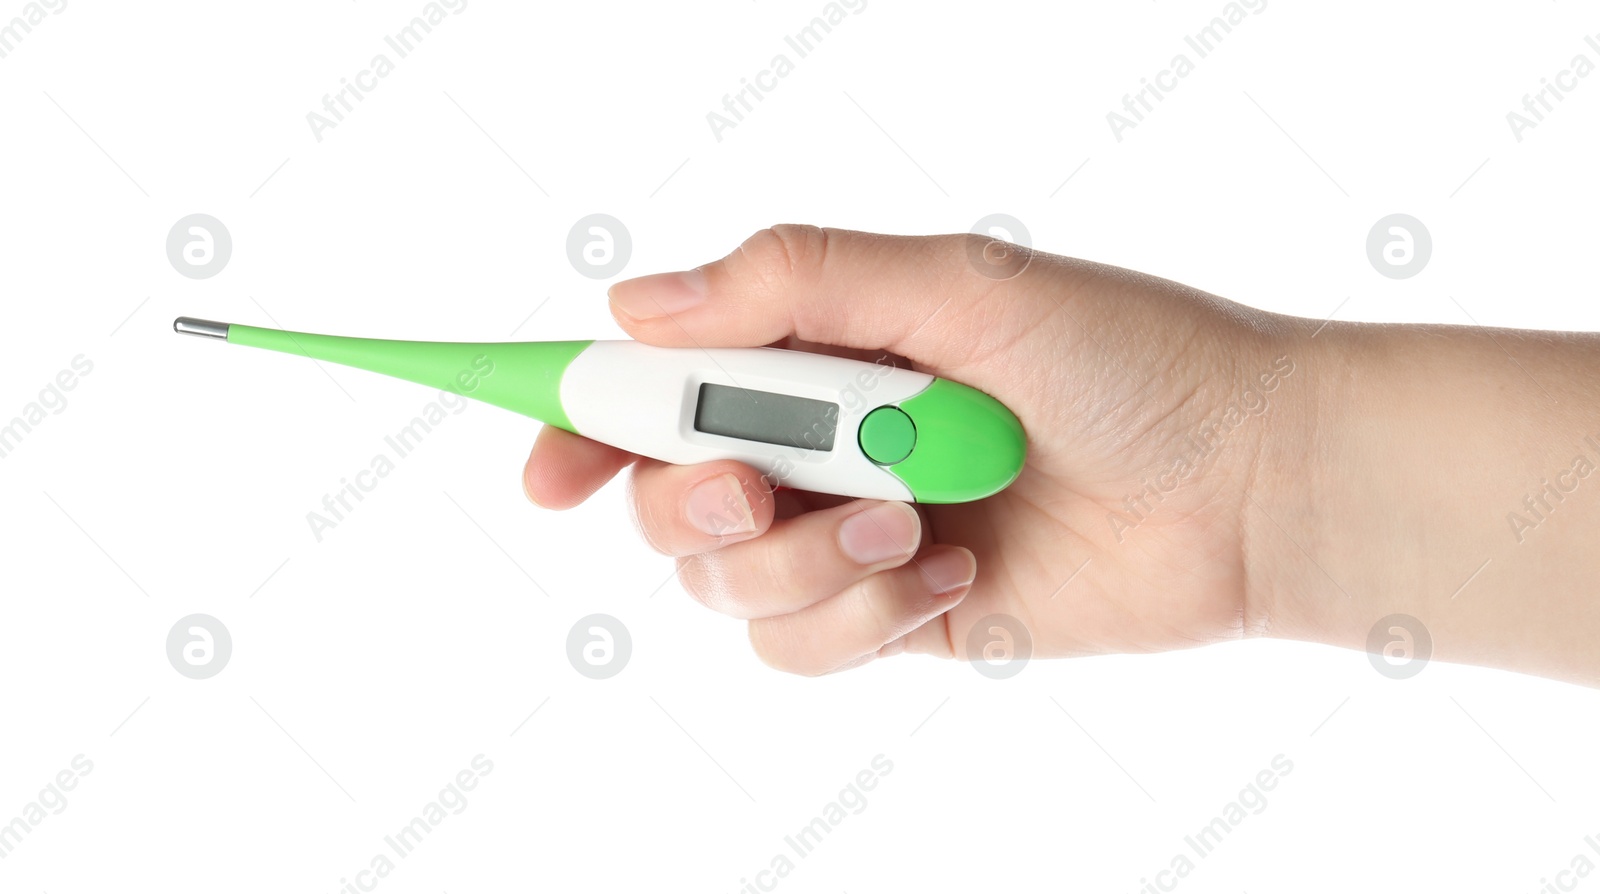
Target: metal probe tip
[(202, 328)]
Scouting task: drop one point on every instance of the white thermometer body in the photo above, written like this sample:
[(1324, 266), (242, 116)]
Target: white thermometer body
[(795, 417)]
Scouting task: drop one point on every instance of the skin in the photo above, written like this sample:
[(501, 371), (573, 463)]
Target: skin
[(1352, 471)]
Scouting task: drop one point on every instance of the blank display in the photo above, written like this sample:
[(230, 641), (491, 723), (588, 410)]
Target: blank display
[(766, 417)]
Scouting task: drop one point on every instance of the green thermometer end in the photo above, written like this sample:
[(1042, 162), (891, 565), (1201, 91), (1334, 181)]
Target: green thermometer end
[(520, 376)]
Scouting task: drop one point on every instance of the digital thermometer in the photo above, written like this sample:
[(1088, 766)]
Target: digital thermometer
[(808, 421)]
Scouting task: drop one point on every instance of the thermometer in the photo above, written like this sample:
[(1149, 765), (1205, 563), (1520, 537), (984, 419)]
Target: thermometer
[(808, 421)]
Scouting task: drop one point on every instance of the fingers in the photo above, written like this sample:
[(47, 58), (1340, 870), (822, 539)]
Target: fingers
[(922, 297), (565, 469), (804, 560), (686, 510), (825, 590), (851, 627)]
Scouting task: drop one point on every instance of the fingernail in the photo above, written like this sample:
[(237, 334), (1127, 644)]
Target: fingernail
[(948, 571), (886, 531), (659, 294), (718, 506)]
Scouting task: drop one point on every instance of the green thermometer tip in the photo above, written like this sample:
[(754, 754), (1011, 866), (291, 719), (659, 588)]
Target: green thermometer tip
[(523, 377)]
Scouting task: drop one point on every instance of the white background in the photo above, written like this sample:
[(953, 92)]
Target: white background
[(369, 668)]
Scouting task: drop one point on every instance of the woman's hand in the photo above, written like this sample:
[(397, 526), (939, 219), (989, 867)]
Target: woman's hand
[(1147, 407)]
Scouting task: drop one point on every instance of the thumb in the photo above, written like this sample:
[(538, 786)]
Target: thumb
[(938, 300)]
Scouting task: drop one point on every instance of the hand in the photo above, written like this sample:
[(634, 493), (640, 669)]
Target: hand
[(1143, 402)]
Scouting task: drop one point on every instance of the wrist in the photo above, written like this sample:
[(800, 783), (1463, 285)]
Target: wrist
[(1385, 486), (1275, 514)]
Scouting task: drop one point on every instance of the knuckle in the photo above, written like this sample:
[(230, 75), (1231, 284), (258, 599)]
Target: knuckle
[(893, 603), (785, 252), (697, 580), (778, 649), (645, 516), (879, 603), (782, 567), (709, 581)]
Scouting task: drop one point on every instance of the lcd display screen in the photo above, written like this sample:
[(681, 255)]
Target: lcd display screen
[(763, 416)]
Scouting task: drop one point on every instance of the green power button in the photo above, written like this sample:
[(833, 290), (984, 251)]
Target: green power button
[(887, 435)]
